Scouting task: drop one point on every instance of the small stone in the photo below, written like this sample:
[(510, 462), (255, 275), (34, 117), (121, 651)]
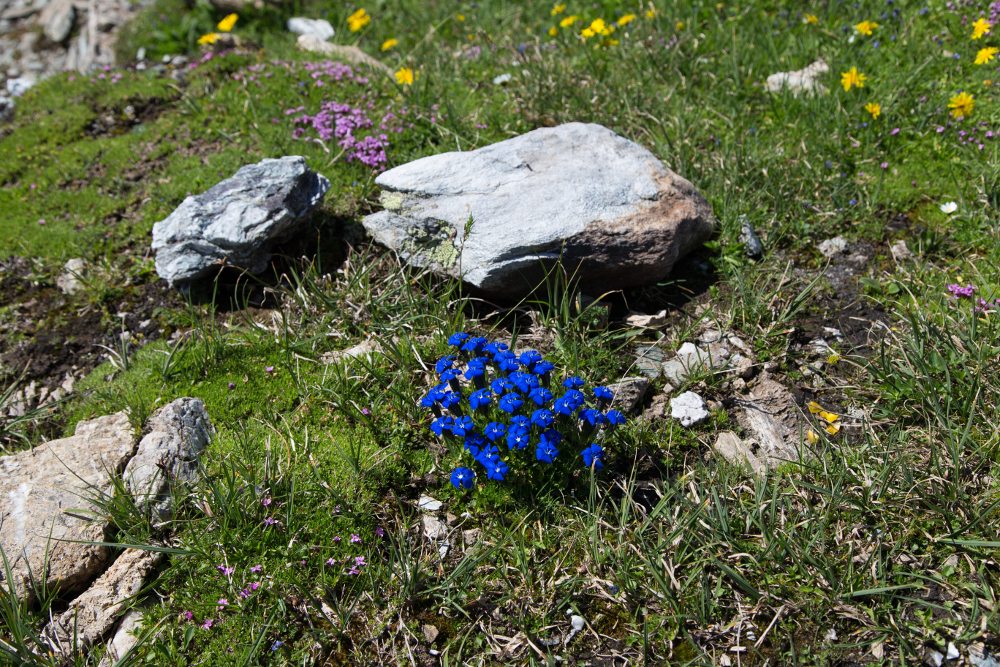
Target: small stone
[(363, 349), (807, 80), (348, 53), (714, 406), (832, 247), (429, 504), (577, 622), (644, 321), (433, 528), (430, 633), (752, 244), (687, 349), (303, 26), (932, 657), (70, 281), (471, 537), (732, 448), (770, 366), (831, 635), (20, 85), (744, 368), (709, 336), (952, 651), (688, 408), (739, 384), (900, 252), (628, 393), (124, 639), (57, 19), (451, 519)]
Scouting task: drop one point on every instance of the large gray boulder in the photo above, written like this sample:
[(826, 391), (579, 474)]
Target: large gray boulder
[(607, 206), (237, 221)]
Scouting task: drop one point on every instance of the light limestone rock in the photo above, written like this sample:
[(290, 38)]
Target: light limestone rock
[(91, 615), (70, 281), (688, 408), (769, 415), (57, 19), (805, 80), (732, 448), (349, 54), (45, 496), (124, 639), (303, 26), (577, 192), (168, 455)]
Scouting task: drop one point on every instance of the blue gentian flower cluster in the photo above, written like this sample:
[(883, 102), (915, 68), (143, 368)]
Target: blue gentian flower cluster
[(509, 401)]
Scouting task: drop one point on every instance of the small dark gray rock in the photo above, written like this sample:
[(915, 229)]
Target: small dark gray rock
[(751, 242), (237, 221)]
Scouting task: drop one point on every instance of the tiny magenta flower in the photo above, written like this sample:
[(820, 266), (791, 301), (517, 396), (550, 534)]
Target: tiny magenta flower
[(207, 624), (256, 568)]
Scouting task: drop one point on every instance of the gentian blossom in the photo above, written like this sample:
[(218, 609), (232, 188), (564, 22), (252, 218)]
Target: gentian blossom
[(463, 478)]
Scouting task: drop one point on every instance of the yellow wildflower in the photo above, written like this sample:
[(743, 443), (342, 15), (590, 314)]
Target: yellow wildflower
[(389, 43), (833, 429), (833, 359), (874, 108), (814, 407), (829, 416), (961, 105), (986, 55), (601, 28), (358, 20), (587, 33), (865, 27), (626, 19), (226, 24), (852, 78), (610, 42), (651, 14), (406, 76), (987, 83), (460, 17), (680, 25), (980, 28), (210, 38), (811, 18), (812, 437), (568, 21), (558, 9), (553, 31)]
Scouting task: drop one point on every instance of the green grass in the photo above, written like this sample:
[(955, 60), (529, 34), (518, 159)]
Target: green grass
[(886, 535)]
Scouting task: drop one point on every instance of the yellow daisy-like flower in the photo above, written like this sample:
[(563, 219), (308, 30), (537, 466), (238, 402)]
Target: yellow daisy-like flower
[(833, 358), (406, 76), (226, 24), (601, 28), (460, 17), (852, 78), (626, 19), (568, 21), (961, 105), (811, 18), (651, 14), (210, 38), (680, 25), (980, 28), (986, 55), (874, 108), (389, 43), (812, 437), (866, 27), (558, 9), (587, 33), (358, 20), (832, 429), (553, 31)]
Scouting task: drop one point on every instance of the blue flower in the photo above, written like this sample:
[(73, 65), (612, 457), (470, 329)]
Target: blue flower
[(546, 452), (450, 398), (457, 338), (463, 478), (520, 420), (496, 470), (551, 437), (543, 368), (540, 395), (501, 386), (573, 382), (594, 417), (603, 394), (524, 381), (449, 375), (444, 363), (462, 426), (510, 402), (592, 456), (575, 398), (507, 362), (853, 202), (517, 437), (495, 430), (542, 418), (487, 455), (480, 399), (473, 443), (529, 358), (477, 368), (429, 400), (494, 348), (474, 344), (615, 418), (442, 424), (562, 406)]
